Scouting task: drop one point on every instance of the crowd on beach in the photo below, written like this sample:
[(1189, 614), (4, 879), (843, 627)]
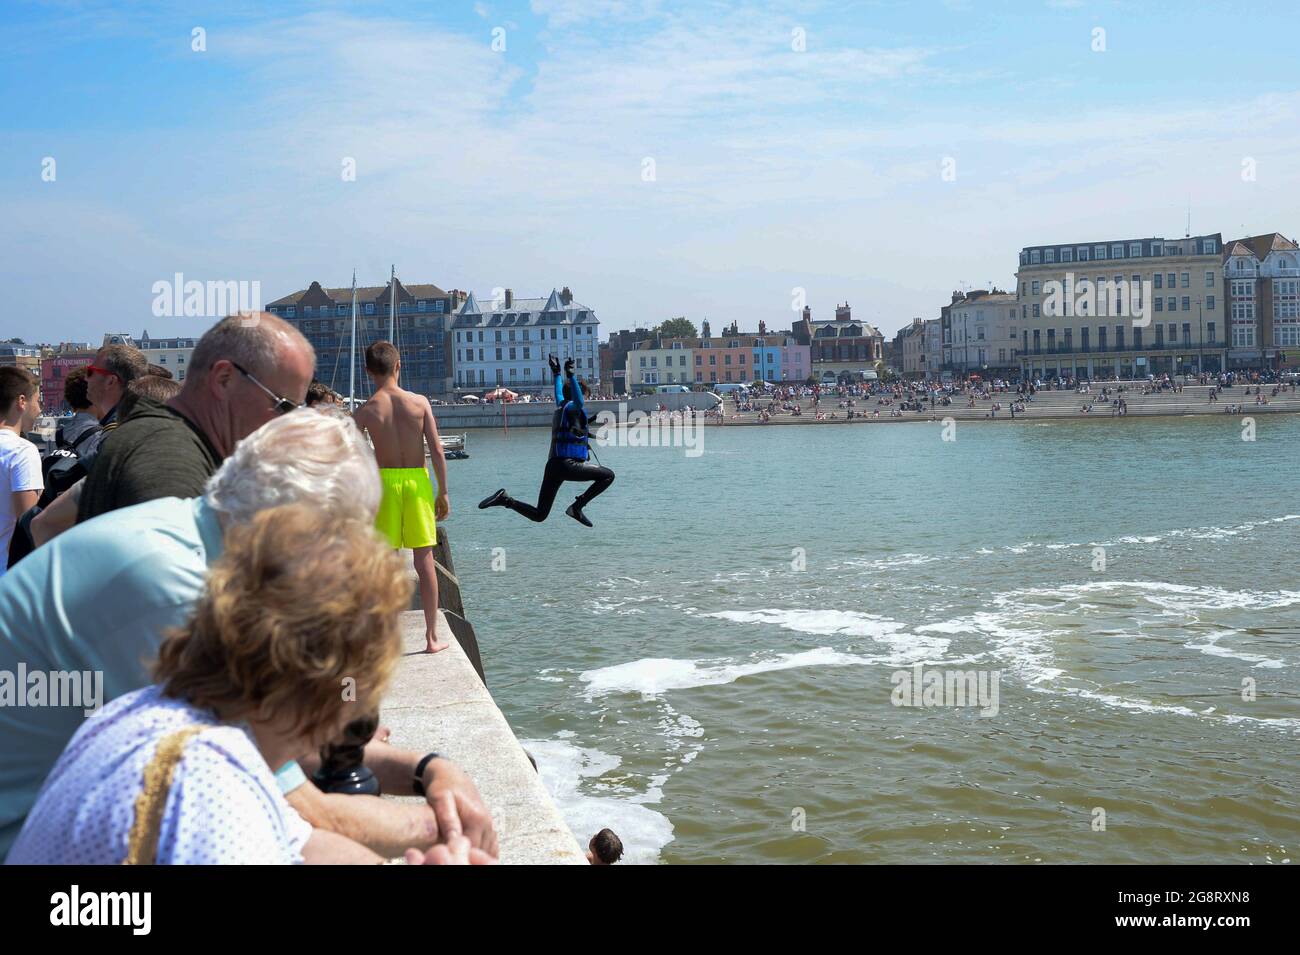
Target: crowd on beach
[(994, 396), (204, 588)]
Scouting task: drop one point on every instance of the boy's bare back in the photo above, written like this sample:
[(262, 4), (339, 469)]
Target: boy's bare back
[(397, 422)]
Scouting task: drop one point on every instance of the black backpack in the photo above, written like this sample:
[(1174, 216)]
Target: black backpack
[(60, 469), (63, 468)]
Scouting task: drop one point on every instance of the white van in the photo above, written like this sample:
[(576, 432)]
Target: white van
[(673, 390)]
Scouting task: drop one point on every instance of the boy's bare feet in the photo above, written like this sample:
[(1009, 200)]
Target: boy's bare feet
[(433, 644)]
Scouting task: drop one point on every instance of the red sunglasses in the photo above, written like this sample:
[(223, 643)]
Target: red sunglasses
[(96, 370)]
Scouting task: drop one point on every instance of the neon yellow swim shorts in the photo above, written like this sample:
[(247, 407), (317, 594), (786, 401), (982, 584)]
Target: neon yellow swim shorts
[(406, 509)]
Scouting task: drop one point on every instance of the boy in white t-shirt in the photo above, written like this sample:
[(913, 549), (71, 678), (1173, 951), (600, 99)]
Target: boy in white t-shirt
[(20, 463)]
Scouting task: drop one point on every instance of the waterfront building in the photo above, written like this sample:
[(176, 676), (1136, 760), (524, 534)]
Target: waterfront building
[(982, 336), (505, 343), (933, 347), (1182, 329), (911, 344), (661, 361), (170, 353), (612, 357), (27, 357), (841, 347), (54, 370), (1261, 282), (324, 316), (734, 357)]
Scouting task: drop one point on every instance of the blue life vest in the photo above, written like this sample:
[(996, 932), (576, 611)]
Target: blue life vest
[(569, 433)]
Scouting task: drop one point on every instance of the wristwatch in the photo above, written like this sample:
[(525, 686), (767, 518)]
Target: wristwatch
[(418, 782)]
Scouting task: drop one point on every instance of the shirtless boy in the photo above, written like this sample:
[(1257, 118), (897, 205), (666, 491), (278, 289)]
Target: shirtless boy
[(400, 423)]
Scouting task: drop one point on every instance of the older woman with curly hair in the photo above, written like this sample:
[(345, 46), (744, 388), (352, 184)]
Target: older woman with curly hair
[(295, 635)]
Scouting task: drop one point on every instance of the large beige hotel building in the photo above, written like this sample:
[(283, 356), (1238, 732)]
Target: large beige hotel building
[(1177, 283)]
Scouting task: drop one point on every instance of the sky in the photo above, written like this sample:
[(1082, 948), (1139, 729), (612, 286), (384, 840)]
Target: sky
[(722, 161)]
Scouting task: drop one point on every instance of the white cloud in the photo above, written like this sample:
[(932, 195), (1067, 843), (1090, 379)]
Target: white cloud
[(774, 169)]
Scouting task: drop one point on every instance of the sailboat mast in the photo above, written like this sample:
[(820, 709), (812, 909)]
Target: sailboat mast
[(352, 351), (392, 304)]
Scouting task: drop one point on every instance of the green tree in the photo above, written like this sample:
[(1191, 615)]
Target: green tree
[(677, 328)]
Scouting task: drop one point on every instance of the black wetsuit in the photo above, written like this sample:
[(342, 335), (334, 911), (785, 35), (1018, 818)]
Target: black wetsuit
[(568, 457)]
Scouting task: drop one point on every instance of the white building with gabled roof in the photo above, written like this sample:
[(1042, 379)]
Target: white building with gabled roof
[(505, 342)]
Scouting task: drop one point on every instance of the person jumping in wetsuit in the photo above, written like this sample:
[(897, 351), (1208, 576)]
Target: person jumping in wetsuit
[(568, 457)]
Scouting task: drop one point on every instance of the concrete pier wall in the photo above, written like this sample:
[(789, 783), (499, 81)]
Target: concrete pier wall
[(453, 418), (438, 703)]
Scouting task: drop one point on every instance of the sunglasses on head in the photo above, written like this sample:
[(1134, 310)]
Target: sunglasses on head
[(282, 405)]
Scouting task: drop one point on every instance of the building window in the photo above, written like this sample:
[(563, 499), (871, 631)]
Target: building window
[(1187, 304), (1049, 255), (1171, 304), (1209, 302), (1083, 253), (1117, 251), (1033, 257), (1067, 255), (1134, 249), (1158, 280)]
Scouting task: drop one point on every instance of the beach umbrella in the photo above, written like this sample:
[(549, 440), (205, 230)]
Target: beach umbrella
[(504, 395)]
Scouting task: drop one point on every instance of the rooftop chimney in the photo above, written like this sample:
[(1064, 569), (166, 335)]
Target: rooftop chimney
[(565, 295), (510, 297)]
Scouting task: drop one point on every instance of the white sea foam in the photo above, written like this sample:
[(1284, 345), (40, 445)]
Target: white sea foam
[(1211, 647), (1199, 533), (1177, 598), (884, 564), (655, 675), (1146, 706), (572, 772)]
